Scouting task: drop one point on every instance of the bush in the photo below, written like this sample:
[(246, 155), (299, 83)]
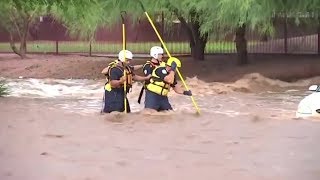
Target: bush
[(3, 89)]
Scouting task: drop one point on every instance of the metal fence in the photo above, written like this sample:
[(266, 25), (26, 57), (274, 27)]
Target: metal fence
[(49, 36)]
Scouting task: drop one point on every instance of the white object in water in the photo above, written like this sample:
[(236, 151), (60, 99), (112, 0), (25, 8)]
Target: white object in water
[(310, 105)]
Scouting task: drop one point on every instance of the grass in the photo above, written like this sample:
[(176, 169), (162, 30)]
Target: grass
[(109, 47), (3, 89)]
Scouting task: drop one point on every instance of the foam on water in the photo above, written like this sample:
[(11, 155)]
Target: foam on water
[(226, 98), (53, 88), (91, 89)]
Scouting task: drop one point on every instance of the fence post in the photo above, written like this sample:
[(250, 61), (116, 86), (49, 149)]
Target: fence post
[(90, 49), (319, 35), (57, 47), (162, 25), (285, 34)]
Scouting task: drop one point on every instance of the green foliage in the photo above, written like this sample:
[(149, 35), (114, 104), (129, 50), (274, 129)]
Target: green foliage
[(214, 17), (16, 18), (227, 15), (83, 17), (3, 89), (17, 15), (256, 14)]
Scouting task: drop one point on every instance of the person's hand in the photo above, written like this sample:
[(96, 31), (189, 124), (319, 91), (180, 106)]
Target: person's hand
[(148, 77), (122, 79), (187, 93), (173, 66)]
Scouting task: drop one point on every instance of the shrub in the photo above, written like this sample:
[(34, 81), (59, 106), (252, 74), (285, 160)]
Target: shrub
[(3, 88)]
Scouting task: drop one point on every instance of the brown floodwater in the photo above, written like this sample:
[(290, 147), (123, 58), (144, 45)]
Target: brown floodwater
[(247, 130)]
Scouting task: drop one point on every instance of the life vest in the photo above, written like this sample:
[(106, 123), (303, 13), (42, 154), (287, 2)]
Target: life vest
[(153, 66), (147, 63), (108, 68), (157, 85), (129, 75)]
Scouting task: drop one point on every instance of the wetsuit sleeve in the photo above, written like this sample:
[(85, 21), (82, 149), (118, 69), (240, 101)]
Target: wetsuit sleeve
[(162, 73), (115, 74), (147, 69)]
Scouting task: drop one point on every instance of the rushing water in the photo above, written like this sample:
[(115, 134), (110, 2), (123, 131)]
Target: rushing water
[(53, 129), (86, 96)]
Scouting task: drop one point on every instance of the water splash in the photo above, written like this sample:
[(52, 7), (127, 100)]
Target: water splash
[(232, 99)]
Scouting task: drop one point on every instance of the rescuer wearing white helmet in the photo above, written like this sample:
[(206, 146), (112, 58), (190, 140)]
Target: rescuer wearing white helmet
[(161, 81), (156, 53), (114, 90)]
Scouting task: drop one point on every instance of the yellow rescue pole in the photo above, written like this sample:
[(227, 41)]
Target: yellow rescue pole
[(124, 70), (164, 46)]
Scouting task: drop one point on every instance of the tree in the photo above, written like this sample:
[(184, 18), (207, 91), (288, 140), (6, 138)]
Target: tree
[(83, 17), (190, 17), (185, 10), (238, 15), (258, 15), (3, 89), (16, 18)]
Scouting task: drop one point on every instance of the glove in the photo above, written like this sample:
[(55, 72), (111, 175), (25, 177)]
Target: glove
[(187, 93), (173, 66)]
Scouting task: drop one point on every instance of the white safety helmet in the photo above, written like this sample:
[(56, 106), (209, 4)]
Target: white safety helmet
[(125, 55), (155, 51)]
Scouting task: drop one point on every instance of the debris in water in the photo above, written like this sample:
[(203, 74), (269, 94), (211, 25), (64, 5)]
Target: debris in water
[(54, 136)]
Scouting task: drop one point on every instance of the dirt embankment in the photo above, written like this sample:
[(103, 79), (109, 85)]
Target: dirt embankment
[(220, 68)]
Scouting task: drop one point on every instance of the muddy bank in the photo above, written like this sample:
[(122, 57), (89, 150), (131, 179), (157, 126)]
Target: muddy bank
[(216, 68)]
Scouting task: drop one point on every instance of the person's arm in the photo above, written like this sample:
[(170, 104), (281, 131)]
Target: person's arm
[(141, 78), (176, 88), (137, 67), (147, 69), (116, 78), (117, 83), (105, 70), (179, 90), (169, 78), (165, 76)]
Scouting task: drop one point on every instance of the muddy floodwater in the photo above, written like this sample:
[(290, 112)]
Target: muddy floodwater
[(52, 129)]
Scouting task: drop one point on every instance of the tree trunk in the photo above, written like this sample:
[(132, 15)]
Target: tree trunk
[(241, 45), (198, 48), (90, 48), (23, 46), (23, 40), (23, 33), (318, 30), (197, 42), (12, 45)]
